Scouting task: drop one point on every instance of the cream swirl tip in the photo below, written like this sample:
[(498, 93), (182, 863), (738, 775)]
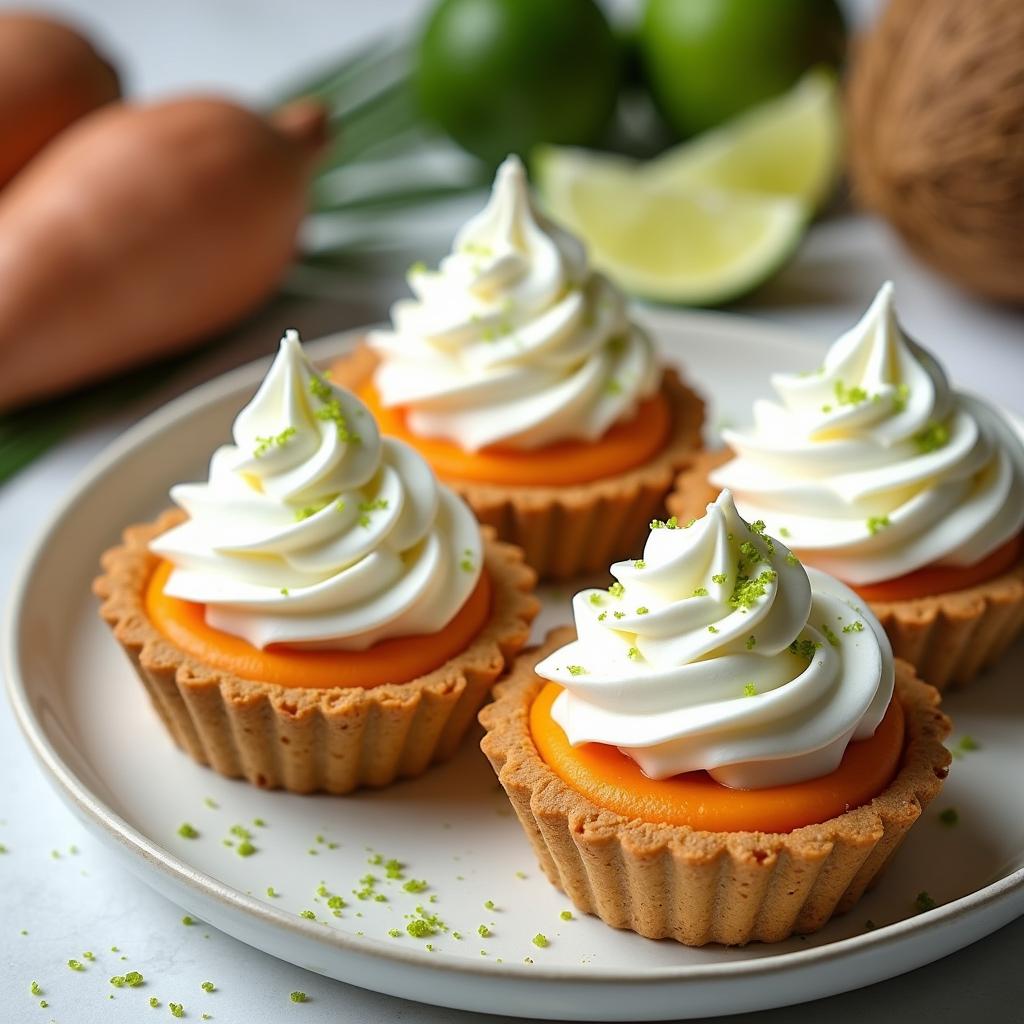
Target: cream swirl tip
[(314, 531), (513, 340), (718, 651)]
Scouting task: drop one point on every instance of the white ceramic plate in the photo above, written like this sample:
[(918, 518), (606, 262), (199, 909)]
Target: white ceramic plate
[(92, 728)]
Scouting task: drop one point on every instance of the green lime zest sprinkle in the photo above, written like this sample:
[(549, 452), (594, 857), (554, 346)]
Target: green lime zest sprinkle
[(933, 437), (668, 524), (830, 635), (306, 512), (3, 849), (950, 816), (750, 690), (899, 402), (804, 648), (483, 931), (712, 629), (299, 997), (331, 409), (826, 408), (700, 592), (791, 559), (336, 903), (393, 868), (205, 1016), (420, 928), (132, 980), (35, 989), (854, 627), (576, 670), (639, 563), (208, 986), (489, 904), (309, 915), (719, 577), (751, 642), (613, 387), (187, 831), (602, 617), (783, 532), (643, 610), (88, 955), (419, 267), (969, 743), (619, 615), (596, 598), (211, 803), (540, 940), (75, 965), (177, 1010), (876, 523), (154, 1002), (566, 915), (43, 1004), (849, 396), (747, 590), (272, 892), (923, 902), (616, 589), (241, 831), (415, 885), (394, 933), (264, 444), (245, 848)]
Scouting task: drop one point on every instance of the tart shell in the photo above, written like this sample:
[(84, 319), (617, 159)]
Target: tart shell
[(579, 528), (949, 638), (670, 881), (308, 740)]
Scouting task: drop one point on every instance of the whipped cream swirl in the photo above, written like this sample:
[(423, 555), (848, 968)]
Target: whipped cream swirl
[(718, 651), (513, 340), (313, 531), (872, 467)]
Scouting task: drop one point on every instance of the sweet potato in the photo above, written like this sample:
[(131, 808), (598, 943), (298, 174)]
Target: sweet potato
[(49, 77), (143, 229)]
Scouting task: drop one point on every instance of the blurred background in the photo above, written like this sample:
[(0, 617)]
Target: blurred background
[(779, 159)]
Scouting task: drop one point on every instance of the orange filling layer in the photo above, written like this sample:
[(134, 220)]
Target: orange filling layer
[(614, 781), (390, 661), (625, 446), (941, 579)]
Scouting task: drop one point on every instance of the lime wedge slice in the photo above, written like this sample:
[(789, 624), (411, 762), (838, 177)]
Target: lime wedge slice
[(701, 249), (788, 146), (712, 218)]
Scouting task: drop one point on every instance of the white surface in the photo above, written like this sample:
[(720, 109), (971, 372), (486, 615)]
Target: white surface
[(90, 722), (88, 900)]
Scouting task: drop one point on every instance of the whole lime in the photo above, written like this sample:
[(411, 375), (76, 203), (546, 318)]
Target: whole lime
[(707, 60), (501, 76)]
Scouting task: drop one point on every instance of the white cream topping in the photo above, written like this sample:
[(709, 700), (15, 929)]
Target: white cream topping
[(718, 651), (513, 340), (313, 531), (872, 467)]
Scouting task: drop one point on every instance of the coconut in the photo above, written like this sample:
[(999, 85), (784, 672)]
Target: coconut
[(936, 135)]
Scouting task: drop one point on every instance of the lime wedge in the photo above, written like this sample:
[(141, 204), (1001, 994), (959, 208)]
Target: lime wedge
[(788, 146), (701, 248), (712, 218)]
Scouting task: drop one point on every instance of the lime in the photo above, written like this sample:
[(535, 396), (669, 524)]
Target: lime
[(708, 60), (700, 246), (788, 146), (501, 76)]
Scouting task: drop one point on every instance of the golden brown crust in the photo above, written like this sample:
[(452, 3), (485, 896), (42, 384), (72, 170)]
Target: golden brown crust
[(669, 881), (305, 740), (580, 528), (949, 638)]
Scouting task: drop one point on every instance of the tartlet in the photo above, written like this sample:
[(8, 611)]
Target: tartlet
[(518, 375), (294, 686), (650, 856), (910, 492)]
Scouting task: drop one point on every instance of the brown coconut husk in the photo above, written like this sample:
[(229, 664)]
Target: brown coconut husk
[(936, 135)]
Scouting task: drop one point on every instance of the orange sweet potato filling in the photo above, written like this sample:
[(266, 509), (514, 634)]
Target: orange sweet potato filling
[(396, 660), (625, 446), (940, 579), (614, 781)]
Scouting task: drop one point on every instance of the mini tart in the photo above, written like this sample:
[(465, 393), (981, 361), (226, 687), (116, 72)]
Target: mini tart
[(949, 638), (673, 881), (312, 739), (571, 530)]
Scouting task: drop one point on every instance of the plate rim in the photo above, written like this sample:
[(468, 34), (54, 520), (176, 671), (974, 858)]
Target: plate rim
[(122, 833)]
